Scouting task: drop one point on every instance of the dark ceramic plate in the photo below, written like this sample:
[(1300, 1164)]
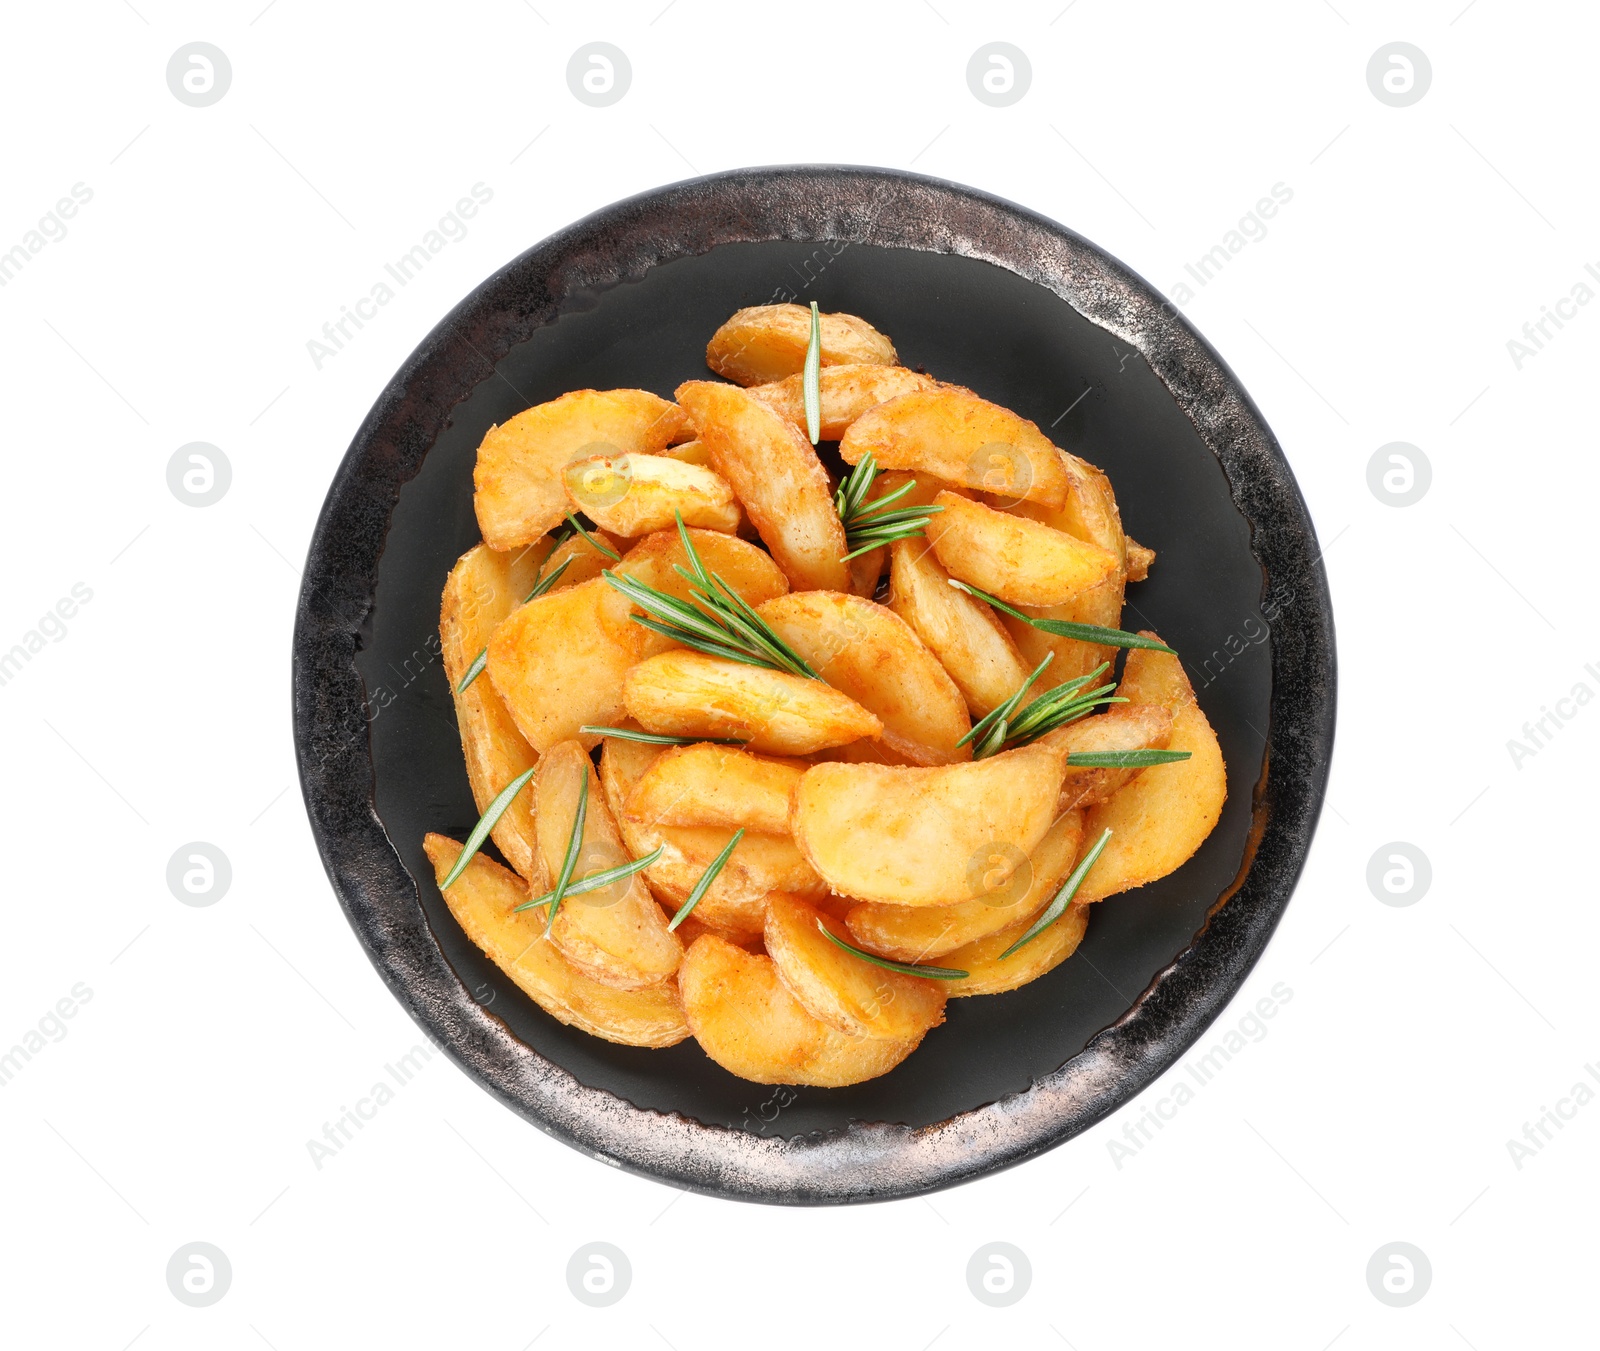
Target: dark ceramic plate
[(979, 292)]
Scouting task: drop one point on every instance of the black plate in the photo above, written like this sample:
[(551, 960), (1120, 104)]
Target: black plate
[(979, 292)]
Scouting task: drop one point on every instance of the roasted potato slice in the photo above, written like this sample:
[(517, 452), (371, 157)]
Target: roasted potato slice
[(960, 630), (840, 989), (636, 494), (1122, 727), (778, 479), (482, 589), (1016, 888), (706, 785), (517, 480), (989, 973), (484, 900), (952, 433), (876, 658), (746, 1020), (736, 901), (1017, 559), (1140, 560), (763, 343), (1164, 815), (558, 666), (617, 935), (1088, 512), (684, 693), (923, 836), (847, 392)]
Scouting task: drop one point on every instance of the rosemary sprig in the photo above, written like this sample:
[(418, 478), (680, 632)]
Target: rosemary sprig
[(595, 881), (904, 968), (1124, 759), (867, 525), (658, 739), (997, 718), (573, 842), (1062, 898), (577, 525), (1088, 633), (706, 879), (487, 822), (811, 381), (721, 625), (1004, 728), (540, 586)]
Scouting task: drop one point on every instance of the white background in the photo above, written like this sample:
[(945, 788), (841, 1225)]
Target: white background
[(217, 1041)]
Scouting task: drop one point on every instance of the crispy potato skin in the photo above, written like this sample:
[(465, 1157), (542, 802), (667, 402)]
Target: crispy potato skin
[(1017, 559), (635, 494), (617, 935), (706, 785), (1122, 727), (482, 589), (923, 836), (925, 933), (875, 657), (746, 1020), (1140, 561), (684, 693), (517, 479), (763, 343), (960, 630), (847, 392), (483, 901), (840, 989), (558, 666), (1160, 819), (952, 433), (988, 973), (778, 479)]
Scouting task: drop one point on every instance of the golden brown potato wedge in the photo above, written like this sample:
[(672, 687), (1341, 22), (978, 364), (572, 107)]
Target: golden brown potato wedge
[(558, 666), (840, 989), (1164, 815), (952, 433), (847, 392), (778, 479), (684, 693), (1140, 560), (706, 785), (990, 973), (636, 494), (617, 935), (1016, 888), (960, 630), (923, 836), (874, 656), (690, 452), (746, 1020), (517, 480), (482, 589), (484, 900), (655, 561), (583, 560), (1089, 511), (1100, 605), (736, 901), (1019, 560), (764, 343), (1122, 727)]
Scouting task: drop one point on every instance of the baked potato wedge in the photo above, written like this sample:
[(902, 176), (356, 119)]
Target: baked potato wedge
[(484, 900), (746, 1020), (951, 433), (518, 492), (1016, 888), (836, 987), (876, 658), (1122, 727), (617, 935), (763, 343), (706, 785), (635, 494), (684, 693), (990, 973), (846, 393), (777, 478), (1019, 560), (1160, 819), (923, 836), (558, 666)]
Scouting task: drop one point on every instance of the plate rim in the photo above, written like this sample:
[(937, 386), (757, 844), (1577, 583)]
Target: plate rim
[(822, 204)]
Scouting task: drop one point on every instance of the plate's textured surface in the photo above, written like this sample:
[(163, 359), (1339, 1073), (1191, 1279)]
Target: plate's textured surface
[(1002, 1080)]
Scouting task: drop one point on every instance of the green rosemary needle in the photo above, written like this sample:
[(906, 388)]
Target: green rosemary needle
[(658, 738), (1005, 728), (869, 525), (573, 842), (811, 381), (1124, 759), (487, 822), (1088, 633), (595, 881), (1062, 899), (904, 968), (706, 879), (577, 525)]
